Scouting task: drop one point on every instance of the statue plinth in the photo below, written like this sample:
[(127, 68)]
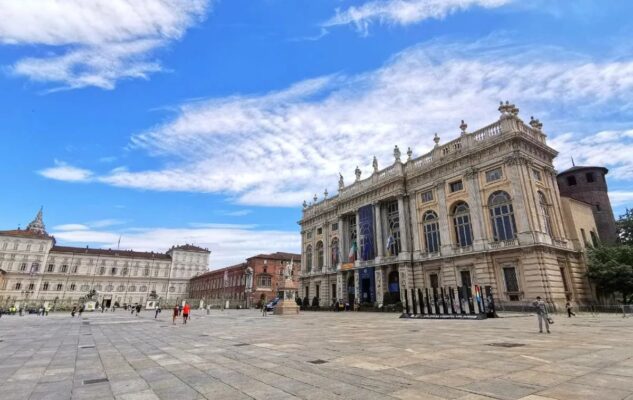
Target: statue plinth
[(287, 305)]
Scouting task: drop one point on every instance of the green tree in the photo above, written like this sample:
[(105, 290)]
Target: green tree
[(611, 269), (625, 227)]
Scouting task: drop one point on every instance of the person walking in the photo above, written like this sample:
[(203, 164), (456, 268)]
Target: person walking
[(157, 312), (541, 313), (73, 311), (185, 313), (176, 311), (264, 311), (569, 311), (81, 309), (138, 309)]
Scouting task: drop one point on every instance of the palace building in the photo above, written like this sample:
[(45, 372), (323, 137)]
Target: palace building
[(35, 271), (246, 284), (481, 210)]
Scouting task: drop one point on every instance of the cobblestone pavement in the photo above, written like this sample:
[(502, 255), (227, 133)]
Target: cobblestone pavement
[(243, 355)]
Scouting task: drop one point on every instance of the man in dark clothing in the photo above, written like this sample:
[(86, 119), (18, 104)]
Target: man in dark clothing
[(541, 313)]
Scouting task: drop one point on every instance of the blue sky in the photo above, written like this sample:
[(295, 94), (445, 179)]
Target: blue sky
[(163, 122)]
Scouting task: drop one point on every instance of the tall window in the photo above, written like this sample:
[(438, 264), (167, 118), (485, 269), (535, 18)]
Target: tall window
[(594, 238), (501, 216), (434, 280), (309, 258), (461, 224), (547, 221), (393, 224), (431, 232), (511, 281), (335, 252), (264, 281), (319, 251)]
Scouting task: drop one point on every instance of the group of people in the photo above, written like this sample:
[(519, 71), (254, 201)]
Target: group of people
[(184, 310)]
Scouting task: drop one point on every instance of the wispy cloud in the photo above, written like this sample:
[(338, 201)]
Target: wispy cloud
[(282, 147), (64, 172), (229, 244), (403, 12), (93, 43)]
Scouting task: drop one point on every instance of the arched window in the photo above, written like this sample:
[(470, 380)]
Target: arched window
[(431, 232), (319, 249), (545, 217), (501, 216), (335, 252), (309, 258), (461, 224)]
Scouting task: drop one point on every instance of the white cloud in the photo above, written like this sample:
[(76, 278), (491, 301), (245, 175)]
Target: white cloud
[(71, 227), (95, 42), (64, 172), (611, 149), (404, 12), (229, 244), (621, 198), (282, 147)]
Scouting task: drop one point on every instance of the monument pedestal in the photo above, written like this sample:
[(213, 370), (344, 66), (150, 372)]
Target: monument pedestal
[(287, 305)]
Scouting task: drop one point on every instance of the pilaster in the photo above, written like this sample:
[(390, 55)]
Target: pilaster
[(478, 210), (380, 247)]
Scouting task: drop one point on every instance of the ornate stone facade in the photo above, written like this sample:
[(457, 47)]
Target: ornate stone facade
[(37, 271), (483, 209)]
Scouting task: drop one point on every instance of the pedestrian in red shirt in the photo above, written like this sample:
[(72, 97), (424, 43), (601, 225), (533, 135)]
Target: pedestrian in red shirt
[(185, 313)]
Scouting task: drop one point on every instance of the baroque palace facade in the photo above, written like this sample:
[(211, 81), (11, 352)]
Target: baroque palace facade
[(483, 209), (36, 271)]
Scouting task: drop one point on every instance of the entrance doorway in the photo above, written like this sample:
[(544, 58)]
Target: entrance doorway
[(350, 290), (106, 303), (365, 290)]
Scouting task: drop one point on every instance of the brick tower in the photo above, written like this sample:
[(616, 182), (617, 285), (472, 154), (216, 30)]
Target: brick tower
[(589, 184)]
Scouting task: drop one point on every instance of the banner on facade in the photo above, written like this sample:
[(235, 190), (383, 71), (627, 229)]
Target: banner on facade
[(346, 266), (366, 232)]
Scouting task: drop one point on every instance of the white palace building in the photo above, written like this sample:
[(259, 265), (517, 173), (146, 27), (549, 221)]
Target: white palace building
[(35, 271), (483, 209)]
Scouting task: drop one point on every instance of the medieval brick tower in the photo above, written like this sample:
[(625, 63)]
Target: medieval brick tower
[(589, 184)]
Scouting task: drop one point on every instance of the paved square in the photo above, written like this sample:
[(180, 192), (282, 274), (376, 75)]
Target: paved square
[(243, 355)]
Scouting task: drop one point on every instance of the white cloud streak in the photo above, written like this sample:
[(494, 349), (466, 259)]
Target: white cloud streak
[(229, 244), (64, 172), (94, 42), (280, 148), (403, 12)]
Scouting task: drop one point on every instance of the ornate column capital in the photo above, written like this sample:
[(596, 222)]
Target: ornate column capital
[(471, 172)]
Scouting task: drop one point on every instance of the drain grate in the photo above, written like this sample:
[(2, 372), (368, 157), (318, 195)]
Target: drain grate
[(204, 335), (86, 334), (93, 381), (240, 344), (317, 362), (87, 346), (85, 322), (506, 344)]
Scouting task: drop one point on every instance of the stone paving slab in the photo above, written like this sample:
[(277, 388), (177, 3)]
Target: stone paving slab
[(243, 355)]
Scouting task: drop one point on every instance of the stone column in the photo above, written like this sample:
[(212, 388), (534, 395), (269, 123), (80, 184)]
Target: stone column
[(341, 243), (477, 211), (339, 285), (378, 275), (415, 227), (518, 199), (404, 232), (356, 286), (327, 259), (444, 220), (380, 247), (357, 262), (556, 210)]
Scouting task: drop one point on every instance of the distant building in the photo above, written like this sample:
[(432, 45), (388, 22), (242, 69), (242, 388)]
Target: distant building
[(589, 185), (481, 210), (38, 271), (244, 284)]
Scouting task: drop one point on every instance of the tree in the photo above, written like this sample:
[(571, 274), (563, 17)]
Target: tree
[(611, 269), (625, 227)]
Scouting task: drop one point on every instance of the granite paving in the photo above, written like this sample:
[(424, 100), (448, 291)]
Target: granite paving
[(240, 354)]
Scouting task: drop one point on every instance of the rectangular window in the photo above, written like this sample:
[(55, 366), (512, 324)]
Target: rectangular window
[(64, 268), (536, 174), (319, 231), (113, 271), (512, 283), (594, 238), (23, 267), (309, 234), (75, 269), (59, 287), (456, 186), (427, 196), (435, 281), (571, 181), (45, 286), (18, 286), (72, 287), (335, 227), (317, 290), (31, 286), (584, 236), (494, 175), (590, 177), (51, 268), (563, 276), (333, 295), (465, 275)]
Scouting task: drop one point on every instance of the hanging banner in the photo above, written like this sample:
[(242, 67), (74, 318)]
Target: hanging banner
[(366, 232)]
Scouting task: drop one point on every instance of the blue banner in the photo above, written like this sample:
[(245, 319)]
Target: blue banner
[(366, 232)]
